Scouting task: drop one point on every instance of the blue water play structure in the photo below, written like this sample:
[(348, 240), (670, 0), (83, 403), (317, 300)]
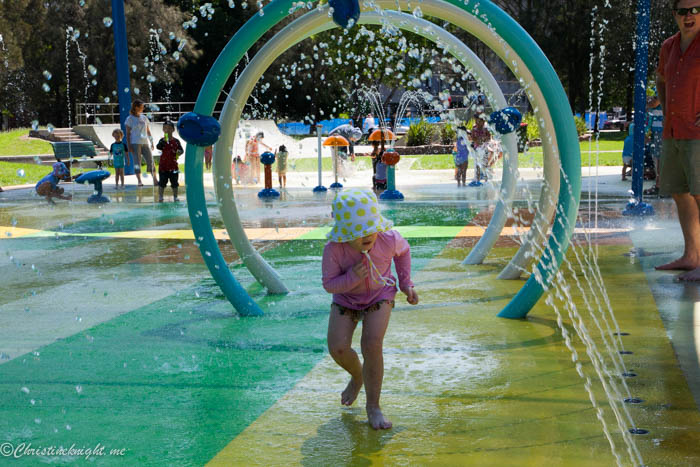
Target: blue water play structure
[(95, 177), (484, 20)]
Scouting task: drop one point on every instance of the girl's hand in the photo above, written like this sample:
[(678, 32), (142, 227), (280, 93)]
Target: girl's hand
[(412, 296), (361, 270)]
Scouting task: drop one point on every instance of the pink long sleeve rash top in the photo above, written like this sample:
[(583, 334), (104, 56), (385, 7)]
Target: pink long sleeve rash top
[(348, 289)]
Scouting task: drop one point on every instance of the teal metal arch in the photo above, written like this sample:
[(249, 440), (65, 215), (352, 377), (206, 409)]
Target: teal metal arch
[(497, 22)]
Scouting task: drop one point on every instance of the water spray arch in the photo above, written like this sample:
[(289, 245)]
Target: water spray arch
[(498, 31), (300, 29)]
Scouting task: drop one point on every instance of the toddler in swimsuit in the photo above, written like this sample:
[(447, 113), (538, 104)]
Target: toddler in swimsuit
[(357, 271)]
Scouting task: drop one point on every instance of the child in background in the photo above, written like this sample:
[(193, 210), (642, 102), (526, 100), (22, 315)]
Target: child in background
[(480, 137), (167, 166), (461, 155), (237, 167), (48, 186), (380, 177), (118, 152), (208, 155), (281, 158), (627, 152), (357, 271), (252, 155), (376, 156)]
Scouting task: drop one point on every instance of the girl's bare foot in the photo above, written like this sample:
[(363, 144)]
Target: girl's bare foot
[(377, 420), (351, 391), (690, 276), (681, 263)]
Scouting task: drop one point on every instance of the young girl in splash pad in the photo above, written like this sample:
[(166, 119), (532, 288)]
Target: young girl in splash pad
[(357, 271)]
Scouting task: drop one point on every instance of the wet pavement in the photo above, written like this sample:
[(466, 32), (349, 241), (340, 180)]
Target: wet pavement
[(113, 332)]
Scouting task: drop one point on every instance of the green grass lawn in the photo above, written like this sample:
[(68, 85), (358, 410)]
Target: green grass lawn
[(21, 174), (11, 143), (12, 173), (16, 143)]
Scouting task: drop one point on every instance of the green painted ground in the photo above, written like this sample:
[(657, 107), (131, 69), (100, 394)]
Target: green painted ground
[(174, 381)]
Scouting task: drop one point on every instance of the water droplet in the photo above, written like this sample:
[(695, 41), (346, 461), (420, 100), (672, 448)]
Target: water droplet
[(137, 91), (176, 55), (37, 421), (47, 74), (92, 70), (106, 100), (93, 82), (45, 87), (133, 68), (50, 128), (150, 78), (35, 125), (78, 389), (107, 21), (25, 389)]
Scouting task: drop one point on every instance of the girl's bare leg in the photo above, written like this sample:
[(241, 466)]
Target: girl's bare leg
[(340, 330), (373, 329)]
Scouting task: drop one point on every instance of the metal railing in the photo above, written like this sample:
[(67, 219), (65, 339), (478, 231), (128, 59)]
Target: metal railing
[(108, 112)]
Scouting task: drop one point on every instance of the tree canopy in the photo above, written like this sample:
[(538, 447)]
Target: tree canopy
[(56, 53)]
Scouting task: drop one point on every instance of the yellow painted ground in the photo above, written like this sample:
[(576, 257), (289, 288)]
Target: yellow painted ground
[(284, 233), (466, 388)]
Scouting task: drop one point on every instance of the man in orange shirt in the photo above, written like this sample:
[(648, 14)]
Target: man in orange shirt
[(678, 83)]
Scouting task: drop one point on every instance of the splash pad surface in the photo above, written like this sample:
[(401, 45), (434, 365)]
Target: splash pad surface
[(157, 362)]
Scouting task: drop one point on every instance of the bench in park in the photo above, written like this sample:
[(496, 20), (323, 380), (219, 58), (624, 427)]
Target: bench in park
[(77, 151)]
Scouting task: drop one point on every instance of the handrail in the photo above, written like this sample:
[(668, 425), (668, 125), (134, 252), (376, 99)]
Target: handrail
[(92, 112)]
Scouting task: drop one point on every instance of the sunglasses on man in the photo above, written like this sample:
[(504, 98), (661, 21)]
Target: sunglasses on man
[(693, 10)]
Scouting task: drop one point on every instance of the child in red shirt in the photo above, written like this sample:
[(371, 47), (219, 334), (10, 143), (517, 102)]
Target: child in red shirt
[(167, 166)]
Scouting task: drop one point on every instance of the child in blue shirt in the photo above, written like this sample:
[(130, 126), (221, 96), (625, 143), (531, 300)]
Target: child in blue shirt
[(118, 151), (461, 156), (48, 186), (627, 152)]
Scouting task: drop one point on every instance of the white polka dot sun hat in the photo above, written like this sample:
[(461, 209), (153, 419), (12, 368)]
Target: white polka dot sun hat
[(356, 214)]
